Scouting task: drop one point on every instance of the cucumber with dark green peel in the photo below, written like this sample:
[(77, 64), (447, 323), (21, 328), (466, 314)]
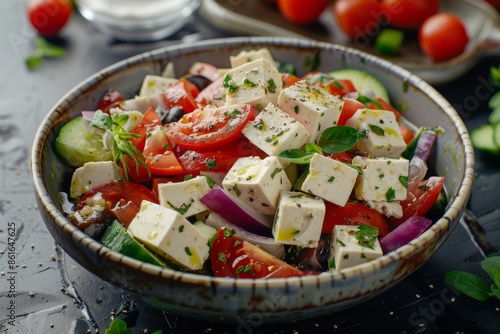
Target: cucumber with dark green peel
[(483, 138), (118, 239), (208, 231), (362, 81), (77, 146)]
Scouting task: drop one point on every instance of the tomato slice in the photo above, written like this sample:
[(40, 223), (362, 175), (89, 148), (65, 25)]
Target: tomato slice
[(349, 109), (210, 92), (289, 79), (343, 157), (208, 128), (332, 85), (353, 213), (385, 106), (407, 134), (123, 200), (110, 99), (233, 257), (183, 94), (158, 154), (149, 121), (220, 159), (420, 198)]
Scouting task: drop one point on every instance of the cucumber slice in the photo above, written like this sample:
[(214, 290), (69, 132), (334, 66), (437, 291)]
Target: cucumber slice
[(117, 238), (77, 146), (208, 231), (494, 115), (496, 134), (483, 138), (363, 81)]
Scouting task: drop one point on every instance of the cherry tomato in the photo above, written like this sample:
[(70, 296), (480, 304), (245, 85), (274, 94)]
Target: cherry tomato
[(358, 18), (217, 159), (420, 198), (289, 79), (209, 128), (331, 85), (233, 257), (494, 3), (343, 157), (300, 11), (122, 202), (183, 94), (110, 99), (48, 17), (408, 14), (353, 213), (349, 109), (443, 36)]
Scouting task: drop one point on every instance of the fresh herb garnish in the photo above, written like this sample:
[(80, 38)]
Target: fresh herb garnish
[(227, 83), (367, 235), (312, 63), (365, 100), (404, 180), (390, 194), (338, 139), (276, 171), (376, 130), (473, 285), (43, 49), (183, 208), (122, 147), (301, 157), (119, 326)]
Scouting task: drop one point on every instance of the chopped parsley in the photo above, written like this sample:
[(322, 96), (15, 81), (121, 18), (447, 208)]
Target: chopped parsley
[(183, 208), (228, 232), (367, 235), (276, 171), (390, 194), (222, 257), (376, 129), (211, 163), (227, 83), (404, 180), (247, 269), (330, 180), (188, 251), (233, 113), (271, 86), (296, 109), (236, 190), (249, 83)]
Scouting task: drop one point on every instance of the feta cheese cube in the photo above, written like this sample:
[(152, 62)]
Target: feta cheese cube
[(92, 174), (330, 179), (312, 106), (347, 251), (248, 56), (383, 179), (155, 84), (143, 103), (258, 182), (389, 209), (170, 235), (257, 83), (383, 137), (134, 117), (273, 131), (299, 219), (184, 197)]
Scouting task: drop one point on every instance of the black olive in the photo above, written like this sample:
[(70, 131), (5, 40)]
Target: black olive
[(174, 115), (201, 82)]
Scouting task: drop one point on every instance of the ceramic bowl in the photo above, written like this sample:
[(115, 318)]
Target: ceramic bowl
[(274, 300)]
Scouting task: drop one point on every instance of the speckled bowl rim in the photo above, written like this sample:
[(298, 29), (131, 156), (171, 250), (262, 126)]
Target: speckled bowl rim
[(442, 226)]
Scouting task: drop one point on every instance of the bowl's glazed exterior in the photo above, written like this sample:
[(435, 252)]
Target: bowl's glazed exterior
[(259, 301)]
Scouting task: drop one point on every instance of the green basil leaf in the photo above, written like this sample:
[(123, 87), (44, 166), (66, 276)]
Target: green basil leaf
[(337, 139), (33, 61), (492, 266), (365, 100), (312, 148), (469, 284), (495, 291), (118, 326), (301, 178), (295, 156)]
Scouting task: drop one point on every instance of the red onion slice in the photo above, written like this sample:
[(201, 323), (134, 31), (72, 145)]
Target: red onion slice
[(424, 144), (235, 211), (404, 233)]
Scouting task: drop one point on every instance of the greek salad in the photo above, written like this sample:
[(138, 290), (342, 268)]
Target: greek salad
[(251, 171)]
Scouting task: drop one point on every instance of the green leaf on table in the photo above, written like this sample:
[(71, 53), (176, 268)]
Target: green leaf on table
[(118, 326), (495, 291), (495, 76), (469, 284), (492, 267), (43, 49), (338, 139)]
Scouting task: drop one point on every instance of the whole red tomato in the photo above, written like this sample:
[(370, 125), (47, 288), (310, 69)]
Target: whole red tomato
[(300, 11), (494, 3), (443, 36), (408, 14), (48, 17), (358, 18)]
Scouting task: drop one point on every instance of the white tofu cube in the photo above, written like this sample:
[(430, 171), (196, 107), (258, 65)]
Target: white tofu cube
[(330, 179), (274, 131), (383, 179), (312, 106), (155, 84), (248, 56), (92, 174), (258, 182), (299, 219), (347, 251), (257, 83), (170, 235), (184, 197), (383, 138)]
